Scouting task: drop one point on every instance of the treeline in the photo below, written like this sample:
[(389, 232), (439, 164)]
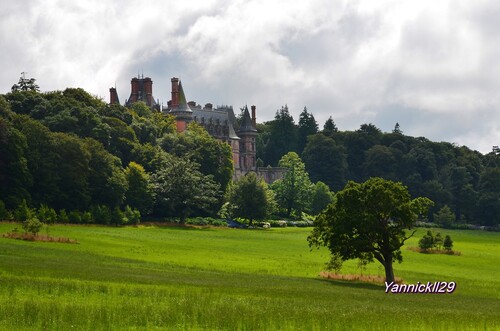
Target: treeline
[(452, 176), (72, 152)]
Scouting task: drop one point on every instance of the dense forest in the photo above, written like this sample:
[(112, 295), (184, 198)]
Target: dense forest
[(454, 177), (71, 152)]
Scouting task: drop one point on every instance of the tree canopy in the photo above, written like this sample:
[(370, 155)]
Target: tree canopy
[(369, 221)]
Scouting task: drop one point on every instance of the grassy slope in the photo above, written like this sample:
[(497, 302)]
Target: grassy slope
[(174, 278)]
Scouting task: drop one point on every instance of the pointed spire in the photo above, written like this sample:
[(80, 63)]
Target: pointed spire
[(246, 122), (183, 105)]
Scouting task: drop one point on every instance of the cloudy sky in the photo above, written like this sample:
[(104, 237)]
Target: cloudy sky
[(433, 66)]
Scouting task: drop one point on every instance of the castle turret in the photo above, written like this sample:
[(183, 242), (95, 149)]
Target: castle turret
[(179, 106), (247, 134)]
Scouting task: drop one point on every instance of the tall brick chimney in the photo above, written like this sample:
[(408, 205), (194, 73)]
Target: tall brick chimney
[(148, 90), (254, 119), (175, 92), (135, 89), (113, 96)]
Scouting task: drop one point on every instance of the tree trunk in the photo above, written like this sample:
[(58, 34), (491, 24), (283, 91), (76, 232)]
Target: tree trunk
[(389, 272)]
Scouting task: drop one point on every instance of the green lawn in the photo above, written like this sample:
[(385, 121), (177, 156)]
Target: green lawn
[(227, 279)]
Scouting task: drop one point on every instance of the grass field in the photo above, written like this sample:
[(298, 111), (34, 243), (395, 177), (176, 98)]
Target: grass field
[(149, 278)]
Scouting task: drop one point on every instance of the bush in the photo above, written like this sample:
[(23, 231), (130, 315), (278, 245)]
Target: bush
[(448, 243), (4, 213), (23, 212), (87, 218), (63, 216), (75, 217), (32, 225), (117, 217), (101, 214), (131, 216), (445, 217), (46, 214), (427, 242)]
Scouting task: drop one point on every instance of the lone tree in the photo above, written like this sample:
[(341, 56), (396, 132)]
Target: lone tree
[(368, 221), (248, 198), (448, 243)]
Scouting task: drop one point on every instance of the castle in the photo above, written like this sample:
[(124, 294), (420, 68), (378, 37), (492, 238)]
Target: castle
[(219, 122)]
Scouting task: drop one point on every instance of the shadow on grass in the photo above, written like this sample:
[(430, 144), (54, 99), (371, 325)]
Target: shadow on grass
[(351, 284)]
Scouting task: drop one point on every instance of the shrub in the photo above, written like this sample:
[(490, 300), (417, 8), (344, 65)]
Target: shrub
[(132, 216), (445, 217), (117, 217), (438, 241), (101, 214), (23, 212), (4, 213), (32, 225), (46, 214), (63, 216), (75, 217), (87, 218), (219, 223), (426, 242), (448, 243)]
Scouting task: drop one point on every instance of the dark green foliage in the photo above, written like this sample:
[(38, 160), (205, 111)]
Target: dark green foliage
[(15, 177), (321, 198), (214, 157), (282, 137), (67, 149), (329, 127), (426, 242), (379, 162), (101, 214), (368, 221), (181, 189), (444, 217), (438, 241), (63, 217), (307, 126), (74, 217), (23, 212), (4, 213), (117, 216), (248, 198), (448, 243), (325, 161)]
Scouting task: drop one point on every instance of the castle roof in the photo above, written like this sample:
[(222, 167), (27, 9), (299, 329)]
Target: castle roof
[(246, 122), (183, 105)]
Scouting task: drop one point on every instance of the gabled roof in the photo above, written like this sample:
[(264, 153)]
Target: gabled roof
[(246, 122)]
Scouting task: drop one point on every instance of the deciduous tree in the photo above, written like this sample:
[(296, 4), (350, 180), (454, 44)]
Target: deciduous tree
[(368, 221), (293, 192)]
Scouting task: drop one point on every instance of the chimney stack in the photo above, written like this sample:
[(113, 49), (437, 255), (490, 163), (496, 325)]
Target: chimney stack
[(175, 92), (254, 119), (113, 96), (148, 90)]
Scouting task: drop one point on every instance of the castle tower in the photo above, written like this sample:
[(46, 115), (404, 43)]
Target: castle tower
[(141, 89), (179, 106), (247, 134)]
